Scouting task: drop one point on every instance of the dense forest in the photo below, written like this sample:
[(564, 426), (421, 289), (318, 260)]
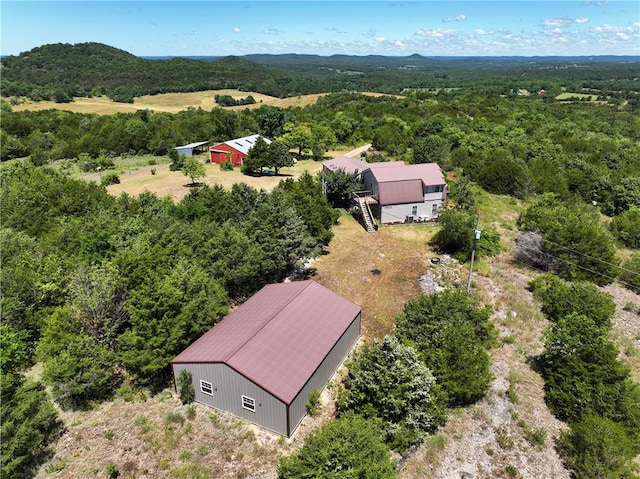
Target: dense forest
[(103, 291)]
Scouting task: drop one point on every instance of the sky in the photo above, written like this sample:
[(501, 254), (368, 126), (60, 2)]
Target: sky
[(397, 28)]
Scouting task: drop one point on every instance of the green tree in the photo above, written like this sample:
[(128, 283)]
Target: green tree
[(13, 353), (582, 372), (168, 311), (279, 156), (451, 331), (388, 381), (560, 298), (597, 448), (573, 236), (28, 424), (322, 138), (82, 372), (298, 136), (630, 273), (626, 227), (340, 186), (185, 387), (305, 195), (257, 157), (626, 195), (348, 448), (177, 160), (505, 176), (432, 149), (193, 169)]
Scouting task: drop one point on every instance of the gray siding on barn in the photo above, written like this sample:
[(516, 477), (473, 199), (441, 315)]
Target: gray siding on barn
[(229, 387), (333, 360)]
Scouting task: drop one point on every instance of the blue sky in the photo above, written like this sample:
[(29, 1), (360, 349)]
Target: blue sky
[(432, 28)]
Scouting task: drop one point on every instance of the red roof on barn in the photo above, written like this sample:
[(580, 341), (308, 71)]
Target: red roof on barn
[(278, 337)]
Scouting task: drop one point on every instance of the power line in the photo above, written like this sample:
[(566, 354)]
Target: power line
[(590, 257), (612, 278)]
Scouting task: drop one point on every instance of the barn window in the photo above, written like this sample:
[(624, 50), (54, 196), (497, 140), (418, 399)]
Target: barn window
[(249, 403), (206, 387)]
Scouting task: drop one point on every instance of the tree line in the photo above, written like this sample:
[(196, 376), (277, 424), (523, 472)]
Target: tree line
[(60, 72)]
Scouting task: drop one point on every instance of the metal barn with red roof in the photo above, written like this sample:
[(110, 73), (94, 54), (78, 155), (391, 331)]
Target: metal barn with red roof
[(235, 150), (262, 361)]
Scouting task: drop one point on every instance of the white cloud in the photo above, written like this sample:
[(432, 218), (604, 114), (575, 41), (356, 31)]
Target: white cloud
[(460, 17), (480, 31), (606, 28), (236, 30), (556, 22), (581, 20), (270, 31), (437, 33)]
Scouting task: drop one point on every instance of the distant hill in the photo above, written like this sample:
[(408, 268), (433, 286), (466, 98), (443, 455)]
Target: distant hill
[(93, 69), (62, 71)]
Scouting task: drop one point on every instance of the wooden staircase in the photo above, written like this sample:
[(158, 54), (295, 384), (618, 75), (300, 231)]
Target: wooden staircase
[(367, 216)]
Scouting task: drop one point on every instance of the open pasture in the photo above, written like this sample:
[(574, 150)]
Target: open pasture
[(166, 102)]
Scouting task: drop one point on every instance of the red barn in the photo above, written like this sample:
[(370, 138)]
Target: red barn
[(236, 150)]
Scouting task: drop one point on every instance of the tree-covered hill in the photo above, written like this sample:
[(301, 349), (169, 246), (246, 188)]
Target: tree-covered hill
[(61, 71)]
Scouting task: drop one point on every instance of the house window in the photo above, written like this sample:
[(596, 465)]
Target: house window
[(435, 188), (434, 209), (414, 210), (249, 403), (206, 387)]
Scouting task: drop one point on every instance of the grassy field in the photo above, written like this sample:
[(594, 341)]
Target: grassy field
[(169, 102), (579, 96), (166, 102), (160, 180)]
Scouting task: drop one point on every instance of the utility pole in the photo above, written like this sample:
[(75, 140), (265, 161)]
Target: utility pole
[(476, 237)]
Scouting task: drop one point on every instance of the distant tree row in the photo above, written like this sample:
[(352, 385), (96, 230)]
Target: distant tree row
[(228, 100)]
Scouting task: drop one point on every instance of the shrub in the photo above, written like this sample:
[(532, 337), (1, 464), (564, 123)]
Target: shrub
[(110, 179), (560, 298), (597, 448), (450, 331), (112, 471), (185, 387), (313, 404), (190, 412), (387, 381), (630, 273), (350, 446), (626, 227), (574, 239), (226, 165), (583, 374), (456, 235)]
